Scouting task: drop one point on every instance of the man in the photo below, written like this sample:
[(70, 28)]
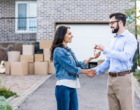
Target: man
[(119, 56)]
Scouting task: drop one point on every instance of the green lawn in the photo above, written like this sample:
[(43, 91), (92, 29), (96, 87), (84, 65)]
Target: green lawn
[(137, 75)]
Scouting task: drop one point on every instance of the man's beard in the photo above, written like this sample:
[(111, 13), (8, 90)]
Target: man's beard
[(116, 30)]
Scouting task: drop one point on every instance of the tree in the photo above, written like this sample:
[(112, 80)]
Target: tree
[(133, 18)]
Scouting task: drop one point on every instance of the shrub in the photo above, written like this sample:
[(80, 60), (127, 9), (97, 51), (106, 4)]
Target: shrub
[(7, 92), (4, 105), (0, 82), (137, 74)]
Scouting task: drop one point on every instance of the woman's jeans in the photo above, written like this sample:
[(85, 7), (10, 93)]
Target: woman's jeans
[(66, 98)]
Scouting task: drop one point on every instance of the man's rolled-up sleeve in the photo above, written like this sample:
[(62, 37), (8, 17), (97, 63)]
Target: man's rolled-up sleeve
[(104, 66), (129, 50)]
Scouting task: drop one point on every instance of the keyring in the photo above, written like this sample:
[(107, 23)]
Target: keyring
[(94, 51)]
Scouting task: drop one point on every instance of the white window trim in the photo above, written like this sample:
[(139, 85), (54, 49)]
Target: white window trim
[(16, 15)]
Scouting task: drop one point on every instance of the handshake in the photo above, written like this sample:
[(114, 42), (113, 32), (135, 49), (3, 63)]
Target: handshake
[(91, 73)]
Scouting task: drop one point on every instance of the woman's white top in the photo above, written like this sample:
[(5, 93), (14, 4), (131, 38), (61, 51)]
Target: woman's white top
[(69, 83)]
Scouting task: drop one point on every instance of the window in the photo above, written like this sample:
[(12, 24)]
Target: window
[(26, 17)]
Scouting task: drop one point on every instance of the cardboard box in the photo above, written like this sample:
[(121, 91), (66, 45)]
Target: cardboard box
[(19, 68), (26, 58), (31, 68), (106, 71), (45, 44), (51, 68), (41, 68), (100, 62), (7, 68), (13, 56), (27, 49), (46, 53), (38, 57)]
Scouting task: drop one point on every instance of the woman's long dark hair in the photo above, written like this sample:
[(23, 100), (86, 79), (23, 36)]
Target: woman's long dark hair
[(58, 39)]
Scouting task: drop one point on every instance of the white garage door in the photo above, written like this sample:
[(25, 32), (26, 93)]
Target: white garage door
[(85, 38)]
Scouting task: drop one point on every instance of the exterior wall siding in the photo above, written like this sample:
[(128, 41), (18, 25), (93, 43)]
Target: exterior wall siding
[(7, 26), (49, 11)]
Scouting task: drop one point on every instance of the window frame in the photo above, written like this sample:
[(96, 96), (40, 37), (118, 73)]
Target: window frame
[(16, 16)]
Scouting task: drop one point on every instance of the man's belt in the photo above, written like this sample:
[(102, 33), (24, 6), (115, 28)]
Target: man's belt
[(120, 73)]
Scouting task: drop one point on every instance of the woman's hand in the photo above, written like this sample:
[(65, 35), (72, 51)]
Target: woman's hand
[(96, 55), (93, 57)]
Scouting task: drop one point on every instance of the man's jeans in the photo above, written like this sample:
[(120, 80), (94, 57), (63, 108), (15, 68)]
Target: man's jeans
[(66, 98)]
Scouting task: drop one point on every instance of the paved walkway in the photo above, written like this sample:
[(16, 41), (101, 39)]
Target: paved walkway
[(19, 84), (92, 95)]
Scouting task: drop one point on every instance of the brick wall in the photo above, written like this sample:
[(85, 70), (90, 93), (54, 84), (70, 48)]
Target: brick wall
[(3, 52), (7, 7), (10, 47)]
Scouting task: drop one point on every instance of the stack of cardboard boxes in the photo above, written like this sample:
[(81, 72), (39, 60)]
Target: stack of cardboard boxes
[(28, 57), (46, 45), (13, 56), (30, 63)]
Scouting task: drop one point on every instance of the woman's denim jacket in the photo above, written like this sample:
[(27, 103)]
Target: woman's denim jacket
[(66, 65)]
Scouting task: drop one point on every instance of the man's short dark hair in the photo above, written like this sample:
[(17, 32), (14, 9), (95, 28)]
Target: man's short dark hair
[(119, 16)]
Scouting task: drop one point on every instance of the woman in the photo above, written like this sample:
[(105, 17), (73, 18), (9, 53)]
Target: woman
[(67, 69)]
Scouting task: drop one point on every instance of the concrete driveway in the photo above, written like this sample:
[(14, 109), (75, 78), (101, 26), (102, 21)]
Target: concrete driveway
[(92, 95)]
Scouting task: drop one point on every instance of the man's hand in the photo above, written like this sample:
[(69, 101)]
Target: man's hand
[(91, 73), (99, 47), (96, 55)]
